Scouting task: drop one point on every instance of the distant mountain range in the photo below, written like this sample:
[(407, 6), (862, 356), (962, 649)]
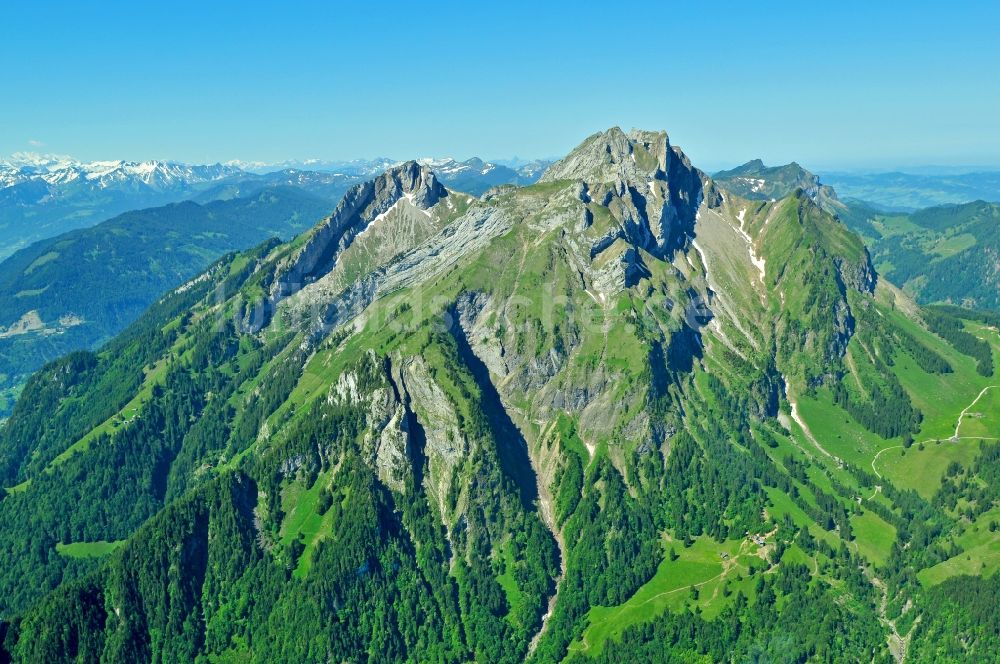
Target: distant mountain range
[(472, 176), (475, 176), (44, 195), (353, 167), (445, 167), (57, 170)]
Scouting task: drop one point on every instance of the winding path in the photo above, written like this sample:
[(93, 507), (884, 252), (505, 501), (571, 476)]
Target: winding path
[(727, 566), (955, 438), (966, 410)]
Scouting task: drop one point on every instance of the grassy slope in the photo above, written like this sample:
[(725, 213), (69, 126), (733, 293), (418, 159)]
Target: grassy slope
[(88, 549), (940, 397), (706, 565)]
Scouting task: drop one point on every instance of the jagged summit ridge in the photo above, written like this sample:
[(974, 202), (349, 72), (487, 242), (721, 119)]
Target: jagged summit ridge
[(649, 185), (613, 155), (363, 205)]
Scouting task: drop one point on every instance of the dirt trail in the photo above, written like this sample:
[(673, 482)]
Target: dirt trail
[(955, 438), (961, 415)]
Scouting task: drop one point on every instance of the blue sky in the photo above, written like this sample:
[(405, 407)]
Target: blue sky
[(830, 84)]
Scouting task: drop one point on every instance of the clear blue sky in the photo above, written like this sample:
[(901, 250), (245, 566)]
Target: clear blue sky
[(830, 84)]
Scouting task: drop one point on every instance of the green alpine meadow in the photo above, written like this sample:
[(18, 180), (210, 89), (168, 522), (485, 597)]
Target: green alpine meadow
[(629, 412)]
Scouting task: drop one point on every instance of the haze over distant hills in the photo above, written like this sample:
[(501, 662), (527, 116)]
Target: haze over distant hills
[(909, 191), (44, 195)]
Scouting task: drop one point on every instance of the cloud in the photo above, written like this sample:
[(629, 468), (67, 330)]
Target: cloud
[(35, 143)]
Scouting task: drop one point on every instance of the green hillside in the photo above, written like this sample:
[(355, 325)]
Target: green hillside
[(944, 254), (77, 290), (940, 254), (618, 415)]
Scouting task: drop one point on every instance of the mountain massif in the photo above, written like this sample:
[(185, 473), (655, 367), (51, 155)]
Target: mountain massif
[(76, 289), (625, 413)]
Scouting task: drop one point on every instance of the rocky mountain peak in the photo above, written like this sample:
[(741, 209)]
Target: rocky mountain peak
[(649, 186), (613, 155), (409, 179), (363, 205), (757, 181)]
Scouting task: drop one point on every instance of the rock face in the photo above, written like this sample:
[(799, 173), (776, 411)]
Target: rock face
[(860, 275), (649, 186), (361, 206), (470, 233), (386, 442), (408, 415)]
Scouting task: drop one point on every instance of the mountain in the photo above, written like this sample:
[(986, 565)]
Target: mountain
[(908, 192), (946, 254), (330, 186), (756, 181), (79, 289), (475, 176), (54, 313), (355, 167), (943, 254), (622, 414), (42, 196)]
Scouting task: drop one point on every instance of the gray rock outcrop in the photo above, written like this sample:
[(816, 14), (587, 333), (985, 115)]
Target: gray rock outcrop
[(649, 186), (362, 205)]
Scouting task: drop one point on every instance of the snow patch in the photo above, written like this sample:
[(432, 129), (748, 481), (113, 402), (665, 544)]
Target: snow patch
[(759, 263)]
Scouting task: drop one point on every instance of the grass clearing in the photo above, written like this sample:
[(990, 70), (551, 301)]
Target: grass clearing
[(921, 470), (873, 536), (303, 521), (88, 549), (980, 560), (706, 564), (123, 417)]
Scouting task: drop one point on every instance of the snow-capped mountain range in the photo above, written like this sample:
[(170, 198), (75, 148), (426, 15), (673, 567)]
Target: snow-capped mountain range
[(60, 170), (42, 195), (353, 167), (445, 168)]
